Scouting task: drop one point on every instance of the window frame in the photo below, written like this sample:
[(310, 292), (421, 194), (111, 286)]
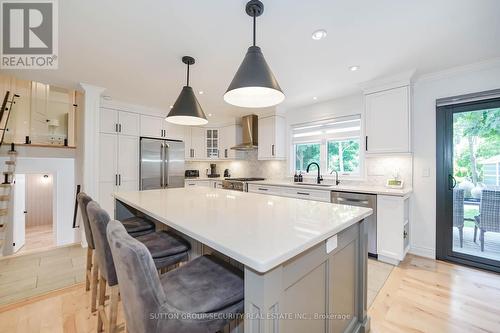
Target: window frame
[(323, 141)]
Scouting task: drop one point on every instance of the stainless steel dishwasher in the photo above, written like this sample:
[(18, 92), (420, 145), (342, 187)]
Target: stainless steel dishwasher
[(362, 200)]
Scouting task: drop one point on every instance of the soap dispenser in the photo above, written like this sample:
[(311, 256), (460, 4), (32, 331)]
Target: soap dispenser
[(295, 177), (301, 179)]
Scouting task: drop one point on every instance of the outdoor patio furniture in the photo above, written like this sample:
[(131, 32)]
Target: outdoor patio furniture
[(458, 213), (488, 219)]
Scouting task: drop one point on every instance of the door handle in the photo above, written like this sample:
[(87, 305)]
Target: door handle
[(272, 150), (119, 180), (120, 128), (225, 153), (452, 182), (116, 128), (116, 179)]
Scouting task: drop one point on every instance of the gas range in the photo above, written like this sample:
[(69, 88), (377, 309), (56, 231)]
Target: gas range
[(239, 184)]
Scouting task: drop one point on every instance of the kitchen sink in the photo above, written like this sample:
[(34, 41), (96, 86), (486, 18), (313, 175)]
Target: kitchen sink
[(311, 184)]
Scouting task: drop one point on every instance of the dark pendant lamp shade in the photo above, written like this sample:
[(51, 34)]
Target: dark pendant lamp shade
[(186, 109), (254, 85)]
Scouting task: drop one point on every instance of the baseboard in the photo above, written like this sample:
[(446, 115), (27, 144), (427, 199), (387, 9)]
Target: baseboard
[(423, 252)]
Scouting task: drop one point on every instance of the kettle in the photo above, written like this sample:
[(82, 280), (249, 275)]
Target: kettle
[(226, 173)]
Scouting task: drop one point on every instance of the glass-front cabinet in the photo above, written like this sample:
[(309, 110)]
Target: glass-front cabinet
[(212, 138)]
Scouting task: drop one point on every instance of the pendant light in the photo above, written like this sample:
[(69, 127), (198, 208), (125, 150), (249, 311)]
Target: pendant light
[(254, 85), (187, 110)]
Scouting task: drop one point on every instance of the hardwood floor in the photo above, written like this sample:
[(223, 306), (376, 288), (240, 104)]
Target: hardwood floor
[(423, 295), (420, 295), (38, 238)]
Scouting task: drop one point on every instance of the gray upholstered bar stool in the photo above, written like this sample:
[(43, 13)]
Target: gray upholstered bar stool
[(207, 288), (167, 249), (135, 226), (91, 271)]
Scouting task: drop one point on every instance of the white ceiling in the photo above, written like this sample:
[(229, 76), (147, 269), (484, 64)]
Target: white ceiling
[(133, 48)]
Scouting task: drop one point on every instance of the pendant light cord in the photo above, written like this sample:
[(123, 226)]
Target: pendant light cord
[(188, 75), (254, 27)]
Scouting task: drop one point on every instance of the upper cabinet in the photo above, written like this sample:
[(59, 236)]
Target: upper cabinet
[(388, 116), (272, 138), (194, 147), (157, 127), (114, 121), (230, 136)]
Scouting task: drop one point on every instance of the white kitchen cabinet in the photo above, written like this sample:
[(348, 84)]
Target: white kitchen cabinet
[(272, 138), (194, 182), (229, 136), (264, 189), (387, 121), (152, 127), (195, 143), (212, 143), (118, 167), (307, 194), (158, 127), (393, 240), (114, 121)]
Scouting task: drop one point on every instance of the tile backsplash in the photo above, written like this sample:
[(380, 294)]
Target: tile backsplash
[(378, 169), (249, 167)]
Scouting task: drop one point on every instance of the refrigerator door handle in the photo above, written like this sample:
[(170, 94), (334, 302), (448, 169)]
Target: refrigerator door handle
[(162, 166), (166, 162)]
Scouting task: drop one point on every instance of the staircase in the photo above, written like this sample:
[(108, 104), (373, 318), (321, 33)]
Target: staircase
[(6, 188)]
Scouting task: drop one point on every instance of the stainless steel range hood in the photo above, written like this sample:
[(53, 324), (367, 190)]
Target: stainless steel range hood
[(249, 127)]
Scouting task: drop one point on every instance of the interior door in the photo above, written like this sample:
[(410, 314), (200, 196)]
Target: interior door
[(19, 230), (468, 192), (151, 164)]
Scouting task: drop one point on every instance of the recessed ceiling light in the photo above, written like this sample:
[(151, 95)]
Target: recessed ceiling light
[(107, 98), (319, 34), (210, 115), (353, 68), (201, 92), (171, 106), (315, 98)]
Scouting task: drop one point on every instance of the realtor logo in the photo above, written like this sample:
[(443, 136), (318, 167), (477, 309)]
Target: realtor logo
[(29, 34)]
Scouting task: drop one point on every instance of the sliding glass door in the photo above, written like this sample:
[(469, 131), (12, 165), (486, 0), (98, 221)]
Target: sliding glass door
[(468, 183)]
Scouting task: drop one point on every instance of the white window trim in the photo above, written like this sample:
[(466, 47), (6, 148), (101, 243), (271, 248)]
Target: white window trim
[(323, 155)]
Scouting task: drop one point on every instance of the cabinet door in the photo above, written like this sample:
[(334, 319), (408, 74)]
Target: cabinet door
[(151, 127), (108, 152), (278, 148), (266, 137), (129, 123), (128, 159), (109, 120), (198, 142), (387, 121), (188, 148), (106, 200), (172, 131)]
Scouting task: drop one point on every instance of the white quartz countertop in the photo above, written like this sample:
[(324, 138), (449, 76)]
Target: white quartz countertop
[(259, 231), (343, 188)]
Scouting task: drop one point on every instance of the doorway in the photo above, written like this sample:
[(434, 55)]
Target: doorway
[(468, 183), (37, 209)]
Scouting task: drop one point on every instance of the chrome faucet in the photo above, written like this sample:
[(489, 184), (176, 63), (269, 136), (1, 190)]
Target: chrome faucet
[(337, 181), (319, 179)]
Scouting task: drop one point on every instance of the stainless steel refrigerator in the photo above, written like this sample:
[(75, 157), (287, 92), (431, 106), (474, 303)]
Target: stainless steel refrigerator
[(161, 164)]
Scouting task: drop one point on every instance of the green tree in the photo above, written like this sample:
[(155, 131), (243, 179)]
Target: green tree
[(481, 132)]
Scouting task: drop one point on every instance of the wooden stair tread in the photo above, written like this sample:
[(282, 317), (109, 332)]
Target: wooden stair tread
[(4, 212), (4, 197), (10, 162)]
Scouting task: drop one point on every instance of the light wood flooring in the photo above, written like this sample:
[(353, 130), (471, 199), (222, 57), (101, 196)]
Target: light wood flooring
[(38, 238), (24, 276), (421, 295)]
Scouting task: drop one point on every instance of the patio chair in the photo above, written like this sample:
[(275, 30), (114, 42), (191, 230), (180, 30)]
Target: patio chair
[(458, 213), (488, 219)]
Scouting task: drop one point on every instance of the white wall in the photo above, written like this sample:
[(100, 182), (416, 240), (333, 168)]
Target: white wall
[(63, 171), (468, 79)]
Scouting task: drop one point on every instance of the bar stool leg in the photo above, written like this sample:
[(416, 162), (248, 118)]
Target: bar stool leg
[(95, 281), (88, 270), (101, 314), (113, 308)]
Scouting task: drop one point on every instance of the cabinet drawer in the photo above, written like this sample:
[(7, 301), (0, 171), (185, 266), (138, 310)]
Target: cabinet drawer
[(263, 189), (308, 194), (191, 183)]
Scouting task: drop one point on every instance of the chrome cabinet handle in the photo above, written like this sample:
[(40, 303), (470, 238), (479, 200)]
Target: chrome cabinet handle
[(262, 189), (272, 150)]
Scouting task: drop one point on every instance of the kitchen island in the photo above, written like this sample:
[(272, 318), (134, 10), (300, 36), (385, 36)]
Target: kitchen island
[(304, 262)]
